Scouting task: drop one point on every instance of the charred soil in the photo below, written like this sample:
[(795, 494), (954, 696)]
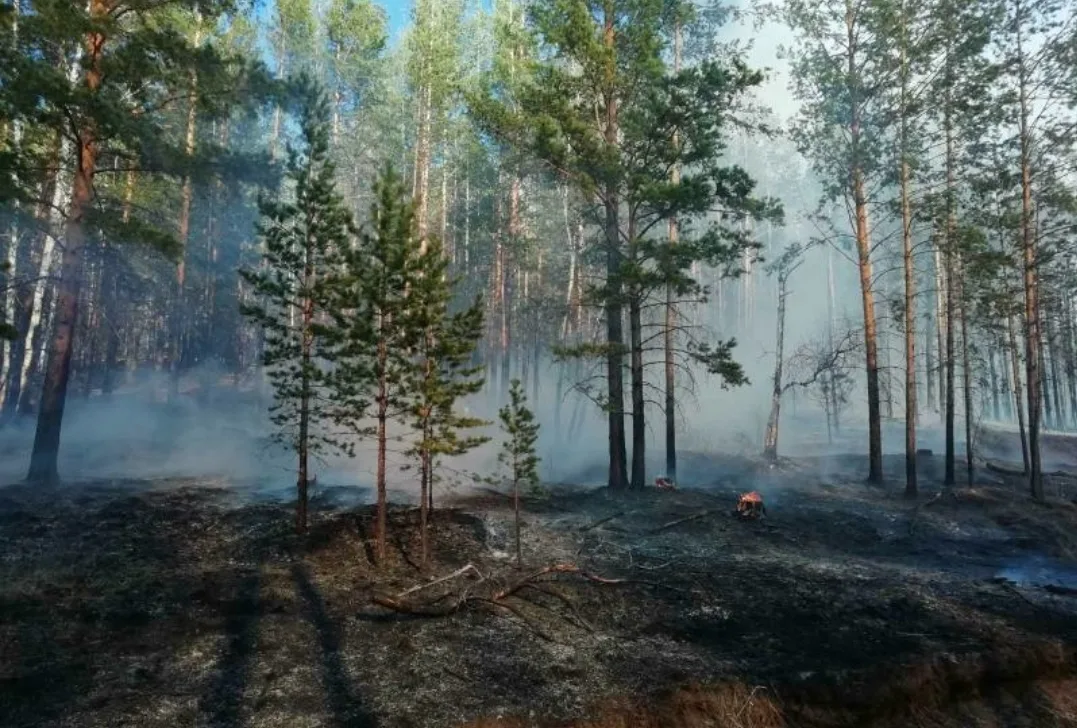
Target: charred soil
[(170, 603)]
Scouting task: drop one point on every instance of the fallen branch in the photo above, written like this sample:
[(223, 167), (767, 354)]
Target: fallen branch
[(553, 569), (419, 611), (459, 572), (498, 600), (686, 519)]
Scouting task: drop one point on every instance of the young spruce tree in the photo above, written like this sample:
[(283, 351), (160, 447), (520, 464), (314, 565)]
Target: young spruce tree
[(306, 230), (518, 450)]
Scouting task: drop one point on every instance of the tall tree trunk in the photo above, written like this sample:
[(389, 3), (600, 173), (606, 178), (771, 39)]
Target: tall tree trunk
[(43, 459), (1032, 313), (863, 246), (910, 333), (996, 405), (966, 379), (422, 168), (382, 401), (179, 313), (1018, 398), (950, 238), (635, 326), (671, 314), (306, 389), (770, 437), (929, 360), (950, 399), (614, 324), (910, 273), (1052, 360), (940, 324)]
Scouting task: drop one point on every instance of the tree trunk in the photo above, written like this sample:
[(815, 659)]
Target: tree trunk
[(382, 401), (966, 379), (910, 331), (1032, 313), (940, 325), (179, 307), (422, 166), (516, 512), (770, 437), (306, 393), (996, 405), (614, 324), (1018, 398), (43, 459), (639, 423), (950, 400), (671, 314), (863, 243), (863, 246)]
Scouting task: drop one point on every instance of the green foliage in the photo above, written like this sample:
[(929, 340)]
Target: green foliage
[(442, 372), (718, 359), (521, 436), (306, 230), (373, 335), (147, 61)]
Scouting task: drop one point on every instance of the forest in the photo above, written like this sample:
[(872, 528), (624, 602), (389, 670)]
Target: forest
[(448, 340)]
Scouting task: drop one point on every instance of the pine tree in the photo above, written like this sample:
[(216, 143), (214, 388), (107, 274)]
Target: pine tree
[(614, 123), (441, 373), (839, 65), (518, 451), (76, 77), (306, 232), (374, 337)]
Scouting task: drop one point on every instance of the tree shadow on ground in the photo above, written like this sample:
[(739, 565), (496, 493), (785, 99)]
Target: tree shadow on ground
[(345, 707), (103, 590), (223, 701)]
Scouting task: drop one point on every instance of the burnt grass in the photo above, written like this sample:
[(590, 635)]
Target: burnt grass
[(170, 603)]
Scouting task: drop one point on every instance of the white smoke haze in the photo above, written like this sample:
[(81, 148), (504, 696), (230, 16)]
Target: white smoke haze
[(137, 434)]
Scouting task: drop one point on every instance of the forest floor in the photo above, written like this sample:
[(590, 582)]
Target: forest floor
[(166, 603)]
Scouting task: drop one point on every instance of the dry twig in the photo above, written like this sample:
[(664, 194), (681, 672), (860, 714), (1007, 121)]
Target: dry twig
[(686, 519), (459, 572)]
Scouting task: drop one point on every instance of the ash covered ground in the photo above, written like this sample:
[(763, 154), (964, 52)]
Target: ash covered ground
[(177, 602)]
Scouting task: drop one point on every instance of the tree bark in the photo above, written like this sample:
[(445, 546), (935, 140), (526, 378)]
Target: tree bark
[(1018, 398), (966, 380), (44, 457), (639, 423), (614, 324), (1032, 313), (863, 246), (671, 314), (770, 437), (179, 307), (382, 401), (910, 333)]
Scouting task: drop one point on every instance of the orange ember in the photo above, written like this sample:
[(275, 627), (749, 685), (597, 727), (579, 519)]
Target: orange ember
[(750, 505), (665, 484)]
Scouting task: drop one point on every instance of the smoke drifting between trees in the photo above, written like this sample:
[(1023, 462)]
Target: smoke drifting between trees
[(598, 175)]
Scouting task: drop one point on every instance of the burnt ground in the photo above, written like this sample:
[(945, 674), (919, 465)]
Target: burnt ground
[(171, 603)]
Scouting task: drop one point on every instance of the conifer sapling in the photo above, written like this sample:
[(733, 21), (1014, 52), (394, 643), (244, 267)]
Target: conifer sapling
[(518, 451), (305, 231)]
